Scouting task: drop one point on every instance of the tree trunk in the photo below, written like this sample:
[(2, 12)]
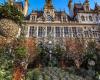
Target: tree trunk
[(18, 73)]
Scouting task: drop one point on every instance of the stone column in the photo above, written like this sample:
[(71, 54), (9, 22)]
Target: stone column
[(46, 31), (37, 32)]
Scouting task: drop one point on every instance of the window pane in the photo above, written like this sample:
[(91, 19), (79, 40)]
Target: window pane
[(40, 31), (90, 18), (31, 31), (83, 18), (74, 29), (48, 30), (57, 31), (65, 31)]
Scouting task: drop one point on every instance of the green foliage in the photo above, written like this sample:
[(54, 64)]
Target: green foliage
[(33, 74), (58, 52), (44, 55), (29, 75), (97, 75), (36, 73), (52, 73), (6, 64), (20, 52), (91, 51), (11, 12)]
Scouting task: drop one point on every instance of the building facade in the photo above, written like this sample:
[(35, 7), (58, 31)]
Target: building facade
[(46, 24)]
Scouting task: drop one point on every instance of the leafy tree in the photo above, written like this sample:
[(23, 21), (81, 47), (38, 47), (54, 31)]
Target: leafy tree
[(43, 54), (91, 51), (75, 50), (59, 55), (16, 48), (11, 12), (24, 51), (6, 64)]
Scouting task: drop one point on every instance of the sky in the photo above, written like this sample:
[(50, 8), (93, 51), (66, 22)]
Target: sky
[(58, 4)]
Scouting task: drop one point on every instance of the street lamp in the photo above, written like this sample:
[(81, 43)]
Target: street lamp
[(91, 63), (50, 51), (50, 42)]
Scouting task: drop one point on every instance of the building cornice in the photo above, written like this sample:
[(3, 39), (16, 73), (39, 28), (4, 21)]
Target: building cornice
[(60, 24)]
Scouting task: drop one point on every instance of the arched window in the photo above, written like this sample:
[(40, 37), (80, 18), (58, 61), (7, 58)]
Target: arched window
[(83, 18), (90, 18)]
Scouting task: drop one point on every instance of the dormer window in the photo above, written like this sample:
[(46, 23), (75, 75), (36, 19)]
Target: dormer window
[(87, 8), (49, 18), (64, 18), (90, 18), (83, 18), (33, 18)]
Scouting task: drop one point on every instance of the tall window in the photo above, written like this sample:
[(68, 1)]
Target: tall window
[(31, 31), (86, 33), (64, 18), (79, 30), (87, 8), (97, 18), (83, 18), (95, 34), (48, 30), (74, 31), (57, 31), (40, 31), (49, 18), (33, 18), (90, 18), (65, 31)]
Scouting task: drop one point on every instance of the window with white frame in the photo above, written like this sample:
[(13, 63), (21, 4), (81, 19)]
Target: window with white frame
[(40, 31), (64, 18), (79, 29), (33, 18), (57, 30), (83, 18), (48, 30), (65, 31), (97, 18), (95, 34), (86, 33), (90, 18), (74, 29), (31, 31)]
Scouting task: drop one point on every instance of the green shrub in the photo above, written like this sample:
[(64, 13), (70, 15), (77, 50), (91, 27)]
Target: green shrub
[(6, 65), (11, 12), (33, 74)]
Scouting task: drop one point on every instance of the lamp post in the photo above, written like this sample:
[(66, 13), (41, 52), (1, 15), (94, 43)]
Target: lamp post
[(50, 51)]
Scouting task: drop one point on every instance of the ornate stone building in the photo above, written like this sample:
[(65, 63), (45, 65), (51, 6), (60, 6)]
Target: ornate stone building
[(82, 22)]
